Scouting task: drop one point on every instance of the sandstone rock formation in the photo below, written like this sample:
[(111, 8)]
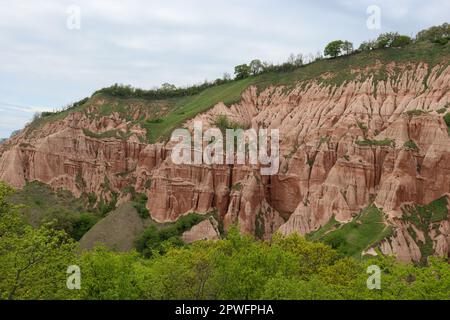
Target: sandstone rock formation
[(343, 148), (205, 230)]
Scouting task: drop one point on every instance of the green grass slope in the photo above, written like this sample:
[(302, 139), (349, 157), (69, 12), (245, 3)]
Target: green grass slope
[(351, 239), (165, 115)]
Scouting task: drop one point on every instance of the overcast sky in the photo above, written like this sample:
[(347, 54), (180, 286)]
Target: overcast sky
[(47, 62)]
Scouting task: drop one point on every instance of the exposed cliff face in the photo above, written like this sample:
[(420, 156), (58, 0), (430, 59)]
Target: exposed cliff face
[(343, 148)]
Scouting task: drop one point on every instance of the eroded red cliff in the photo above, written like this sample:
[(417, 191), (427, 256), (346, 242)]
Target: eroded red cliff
[(343, 148)]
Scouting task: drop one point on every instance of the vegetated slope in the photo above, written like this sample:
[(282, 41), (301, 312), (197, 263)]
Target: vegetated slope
[(360, 132), (40, 205)]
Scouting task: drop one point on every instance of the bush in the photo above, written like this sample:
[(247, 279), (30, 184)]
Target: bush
[(401, 41), (128, 92), (242, 71), (223, 123), (92, 198), (82, 224), (415, 113), (46, 114), (447, 119), (154, 239), (105, 208), (74, 224), (385, 40), (437, 34), (411, 145), (140, 204), (334, 48)]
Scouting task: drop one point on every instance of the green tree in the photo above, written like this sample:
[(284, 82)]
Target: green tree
[(439, 34), (401, 41), (168, 87), (256, 67), (242, 71), (347, 47), (368, 45), (334, 48), (385, 40), (33, 261), (108, 275)]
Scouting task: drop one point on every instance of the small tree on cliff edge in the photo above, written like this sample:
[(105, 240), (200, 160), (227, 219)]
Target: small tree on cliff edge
[(347, 47), (242, 71), (256, 67), (334, 48)]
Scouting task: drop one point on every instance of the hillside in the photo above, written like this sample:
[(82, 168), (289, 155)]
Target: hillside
[(365, 153)]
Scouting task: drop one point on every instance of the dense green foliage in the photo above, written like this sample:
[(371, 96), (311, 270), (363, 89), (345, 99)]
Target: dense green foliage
[(126, 92), (242, 71), (411, 145), (40, 205), (437, 34), (382, 143), (155, 239), (334, 48), (140, 204), (34, 261), (447, 121)]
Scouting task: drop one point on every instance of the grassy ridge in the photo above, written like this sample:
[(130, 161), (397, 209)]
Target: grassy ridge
[(189, 107), (175, 111)]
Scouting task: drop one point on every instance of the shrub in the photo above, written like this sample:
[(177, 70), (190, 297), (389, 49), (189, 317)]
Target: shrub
[(447, 119), (92, 198), (401, 41), (385, 40), (46, 114), (74, 224), (411, 145), (237, 187), (242, 71), (437, 34), (415, 113), (223, 123), (82, 224), (105, 208), (154, 239), (334, 48), (140, 204), (383, 143)]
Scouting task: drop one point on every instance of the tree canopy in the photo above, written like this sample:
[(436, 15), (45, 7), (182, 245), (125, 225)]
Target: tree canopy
[(34, 262)]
